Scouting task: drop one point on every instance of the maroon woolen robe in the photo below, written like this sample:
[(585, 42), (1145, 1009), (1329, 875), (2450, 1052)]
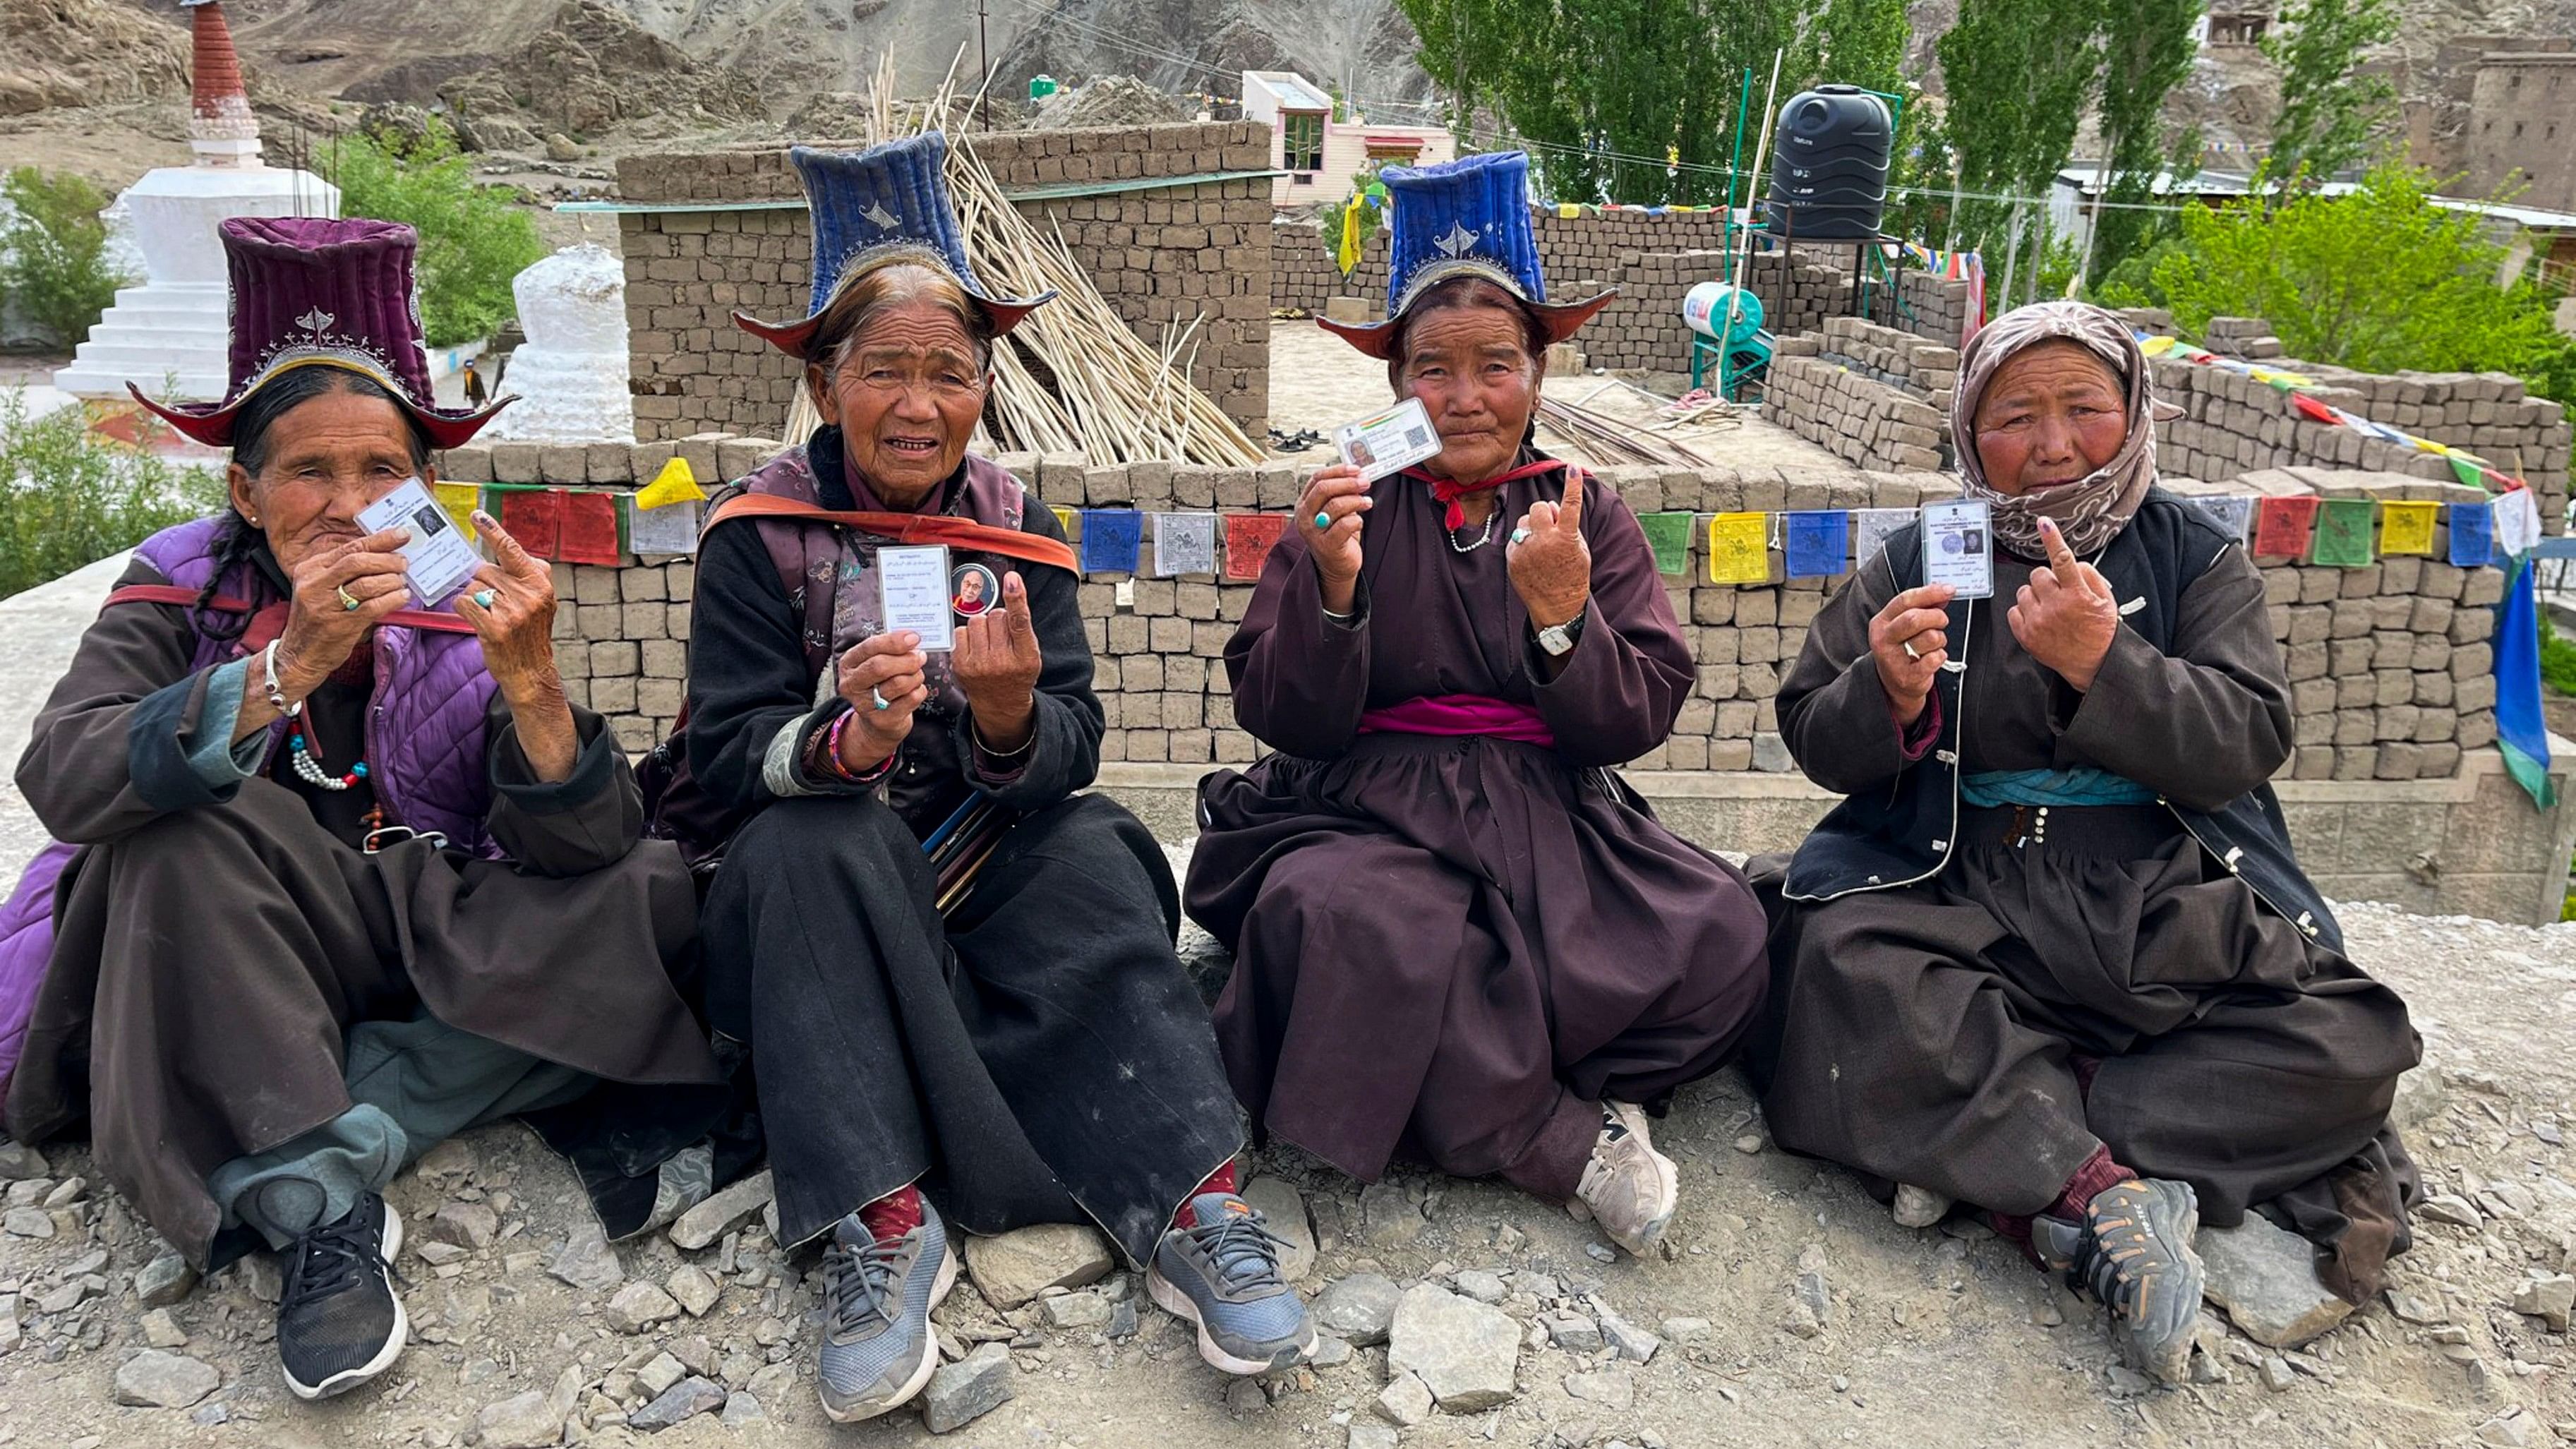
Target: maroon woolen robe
[(1457, 945)]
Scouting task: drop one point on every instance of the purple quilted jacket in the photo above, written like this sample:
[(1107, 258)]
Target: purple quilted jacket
[(425, 734)]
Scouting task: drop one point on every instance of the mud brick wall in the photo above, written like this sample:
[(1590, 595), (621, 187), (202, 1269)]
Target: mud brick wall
[(1845, 407), (1933, 308), (1163, 257), (2233, 425)]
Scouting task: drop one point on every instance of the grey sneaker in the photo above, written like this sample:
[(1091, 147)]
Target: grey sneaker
[(877, 1346), (1223, 1275), (2133, 1253), (1628, 1188)]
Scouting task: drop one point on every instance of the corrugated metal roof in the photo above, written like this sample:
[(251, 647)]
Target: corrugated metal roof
[(1293, 90)]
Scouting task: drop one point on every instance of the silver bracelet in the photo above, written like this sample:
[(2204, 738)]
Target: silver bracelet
[(276, 695)]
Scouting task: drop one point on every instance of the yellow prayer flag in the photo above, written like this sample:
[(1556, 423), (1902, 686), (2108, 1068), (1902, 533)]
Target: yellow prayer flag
[(676, 483), (2158, 346), (458, 501), (1063, 520), (1347, 254), (1739, 548), (1568, 211), (2407, 527), (2429, 446)]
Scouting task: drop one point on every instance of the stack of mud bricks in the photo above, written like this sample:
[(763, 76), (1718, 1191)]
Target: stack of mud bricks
[(2392, 673), (1873, 396), (2233, 425), (2247, 337), (2390, 665), (1163, 257), (1931, 307)]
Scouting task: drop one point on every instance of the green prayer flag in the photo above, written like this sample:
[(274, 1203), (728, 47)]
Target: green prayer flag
[(1669, 535), (2468, 472), (2343, 532)]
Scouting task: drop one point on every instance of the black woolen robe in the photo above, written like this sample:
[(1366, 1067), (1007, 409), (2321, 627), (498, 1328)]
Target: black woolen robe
[(1456, 945), (1039, 1055), (1930, 1034)]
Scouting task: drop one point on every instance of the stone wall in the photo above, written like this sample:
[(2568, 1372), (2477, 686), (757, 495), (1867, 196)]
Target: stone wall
[(1162, 256)]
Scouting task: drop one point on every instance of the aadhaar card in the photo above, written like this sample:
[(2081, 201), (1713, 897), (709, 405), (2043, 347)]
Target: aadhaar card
[(914, 587), (1959, 547), (437, 561), (1389, 441)]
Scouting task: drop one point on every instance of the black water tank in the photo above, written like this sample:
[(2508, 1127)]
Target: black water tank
[(1829, 164)]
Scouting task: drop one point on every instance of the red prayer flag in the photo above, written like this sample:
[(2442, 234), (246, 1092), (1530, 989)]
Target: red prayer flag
[(2282, 526), (1249, 537), (2314, 408), (589, 528), (535, 519)]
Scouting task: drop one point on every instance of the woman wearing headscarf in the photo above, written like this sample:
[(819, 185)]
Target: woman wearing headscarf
[(1457, 933), (956, 975), (2054, 957), (340, 877)]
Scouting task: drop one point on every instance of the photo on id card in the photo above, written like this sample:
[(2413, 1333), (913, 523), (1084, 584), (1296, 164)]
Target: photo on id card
[(1388, 442), (1958, 547)]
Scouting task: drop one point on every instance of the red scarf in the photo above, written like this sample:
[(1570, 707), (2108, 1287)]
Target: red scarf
[(1450, 490)]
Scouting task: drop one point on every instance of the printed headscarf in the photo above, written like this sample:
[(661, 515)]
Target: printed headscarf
[(2092, 510)]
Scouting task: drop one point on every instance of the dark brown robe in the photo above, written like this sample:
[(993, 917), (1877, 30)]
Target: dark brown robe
[(208, 962), (1939, 1034), (1458, 945)]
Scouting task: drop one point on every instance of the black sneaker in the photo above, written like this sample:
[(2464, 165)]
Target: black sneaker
[(338, 1322), (2133, 1253)]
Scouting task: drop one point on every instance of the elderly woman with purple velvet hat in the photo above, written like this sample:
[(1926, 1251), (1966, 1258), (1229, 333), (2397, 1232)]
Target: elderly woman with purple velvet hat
[(341, 872)]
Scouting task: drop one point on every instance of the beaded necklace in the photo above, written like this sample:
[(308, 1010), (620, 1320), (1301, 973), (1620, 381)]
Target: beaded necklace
[(311, 772)]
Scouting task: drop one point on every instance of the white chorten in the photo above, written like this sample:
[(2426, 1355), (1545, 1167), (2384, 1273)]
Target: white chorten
[(168, 335), (570, 375)]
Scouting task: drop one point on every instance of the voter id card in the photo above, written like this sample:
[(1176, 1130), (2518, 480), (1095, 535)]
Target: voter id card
[(1389, 441), (1959, 547), (914, 585), (437, 561)]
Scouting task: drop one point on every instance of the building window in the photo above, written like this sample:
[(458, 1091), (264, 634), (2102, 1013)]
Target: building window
[(1305, 137)]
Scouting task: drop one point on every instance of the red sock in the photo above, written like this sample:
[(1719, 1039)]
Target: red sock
[(2098, 1172), (893, 1215), (1221, 1180)]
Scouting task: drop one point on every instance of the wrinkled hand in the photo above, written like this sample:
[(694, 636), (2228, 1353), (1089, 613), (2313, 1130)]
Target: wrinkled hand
[(321, 630), (1339, 498), (997, 662), (1551, 566), (517, 629), (890, 665), (2067, 615), (1918, 618)]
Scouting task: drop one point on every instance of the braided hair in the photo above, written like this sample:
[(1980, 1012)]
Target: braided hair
[(237, 541)]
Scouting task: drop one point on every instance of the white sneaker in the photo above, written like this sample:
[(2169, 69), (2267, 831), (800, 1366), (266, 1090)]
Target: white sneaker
[(1919, 1207), (1630, 1189)]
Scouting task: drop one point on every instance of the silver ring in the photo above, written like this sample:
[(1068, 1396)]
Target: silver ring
[(1908, 647), (1520, 535), (877, 699), (483, 598)]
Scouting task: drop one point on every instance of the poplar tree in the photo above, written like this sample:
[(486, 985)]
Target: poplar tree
[(2328, 109)]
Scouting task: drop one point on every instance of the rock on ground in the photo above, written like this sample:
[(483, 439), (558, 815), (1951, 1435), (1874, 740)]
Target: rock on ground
[(587, 1262), (521, 1421), (1284, 1209), (2266, 1279), (164, 1281), (1463, 1351), (960, 1393), (702, 1226), (686, 1399), (154, 1379), (2548, 1298), (639, 1306), (1015, 1267), (1358, 1308)]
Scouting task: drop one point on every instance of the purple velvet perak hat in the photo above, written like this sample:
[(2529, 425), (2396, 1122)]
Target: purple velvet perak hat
[(312, 292)]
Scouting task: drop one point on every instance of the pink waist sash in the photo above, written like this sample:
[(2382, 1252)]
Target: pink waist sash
[(1462, 714)]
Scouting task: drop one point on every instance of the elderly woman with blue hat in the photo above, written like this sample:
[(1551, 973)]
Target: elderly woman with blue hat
[(956, 975), (342, 872), (1457, 934)]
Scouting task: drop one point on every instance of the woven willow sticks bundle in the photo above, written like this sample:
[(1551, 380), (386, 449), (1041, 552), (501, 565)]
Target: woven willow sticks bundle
[(1073, 377)]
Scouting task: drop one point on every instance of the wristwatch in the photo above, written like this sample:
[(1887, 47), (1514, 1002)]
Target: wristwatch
[(1558, 639)]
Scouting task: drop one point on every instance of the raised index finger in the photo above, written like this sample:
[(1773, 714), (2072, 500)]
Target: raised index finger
[(1570, 512), (2061, 559)]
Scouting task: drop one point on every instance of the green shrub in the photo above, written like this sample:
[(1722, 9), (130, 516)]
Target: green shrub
[(55, 248), (473, 239), (69, 496)]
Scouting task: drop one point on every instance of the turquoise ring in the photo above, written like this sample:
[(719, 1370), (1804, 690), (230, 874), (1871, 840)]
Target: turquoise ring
[(483, 598), (1520, 535), (1323, 520)]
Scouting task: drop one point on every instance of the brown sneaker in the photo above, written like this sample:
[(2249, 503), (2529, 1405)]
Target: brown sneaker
[(1628, 1188)]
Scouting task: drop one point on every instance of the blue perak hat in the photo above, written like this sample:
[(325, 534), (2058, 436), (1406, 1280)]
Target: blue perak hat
[(1468, 217), (875, 208)]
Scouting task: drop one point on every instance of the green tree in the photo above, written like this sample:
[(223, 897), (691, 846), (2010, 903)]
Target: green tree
[(69, 496), (2377, 280), (473, 239), (2328, 110), (53, 252), (2018, 74), (2147, 50)]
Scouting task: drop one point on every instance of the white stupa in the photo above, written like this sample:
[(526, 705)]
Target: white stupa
[(570, 375), (168, 335)]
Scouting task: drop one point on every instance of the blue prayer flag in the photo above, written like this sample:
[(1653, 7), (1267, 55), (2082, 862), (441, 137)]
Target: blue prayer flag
[(1109, 539), (1818, 543), (2522, 734), (2472, 534)]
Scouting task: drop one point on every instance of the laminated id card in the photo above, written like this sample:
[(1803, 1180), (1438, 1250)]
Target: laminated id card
[(1959, 547), (1388, 442), (437, 561), (914, 585)]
